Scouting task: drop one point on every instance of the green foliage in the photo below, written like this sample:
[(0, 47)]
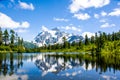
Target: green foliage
[(86, 40), (92, 40), (7, 42), (21, 49), (1, 36), (12, 38), (6, 37), (101, 43), (5, 48), (65, 43)]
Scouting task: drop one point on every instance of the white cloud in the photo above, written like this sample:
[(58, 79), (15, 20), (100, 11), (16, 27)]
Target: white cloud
[(82, 16), (14, 77), (116, 12), (106, 25), (71, 27), (77, 5), (25, 24), (106, 77), (102, 20), (103, 13), (60, 19), (89, 34), (96, 16), (8, 22), (24, 5), (74, 73), (21, 30)]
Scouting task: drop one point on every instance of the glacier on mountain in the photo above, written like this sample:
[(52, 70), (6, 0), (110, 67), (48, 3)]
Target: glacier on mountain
[(54, 36)]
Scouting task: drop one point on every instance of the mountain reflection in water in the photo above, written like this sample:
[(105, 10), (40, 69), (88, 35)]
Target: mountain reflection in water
[(35, 66), (55, 63), (51, 64)]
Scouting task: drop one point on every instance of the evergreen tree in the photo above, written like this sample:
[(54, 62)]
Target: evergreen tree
[(22, 42), (109, 37), (86, 40), (100, 42), (92, 40), (49, 47), (65, 44), (73, 43), (96, 38), (19, 41), (104, 36), (6, 37), (12, 38), (1, 36), (113, 36), (69, 45), (118, 35), (80, 43), (16, 37)]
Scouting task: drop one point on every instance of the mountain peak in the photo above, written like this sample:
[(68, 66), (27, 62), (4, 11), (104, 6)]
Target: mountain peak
[(44, 28), (53, 36)]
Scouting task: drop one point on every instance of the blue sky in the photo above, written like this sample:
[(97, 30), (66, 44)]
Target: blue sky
[(29, 17)]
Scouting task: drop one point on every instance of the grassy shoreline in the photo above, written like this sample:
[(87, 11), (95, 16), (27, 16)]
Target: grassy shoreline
[(8, 51)]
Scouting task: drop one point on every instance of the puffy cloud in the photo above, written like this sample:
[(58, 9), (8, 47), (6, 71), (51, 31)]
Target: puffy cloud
[(116, 12), (21, 30), (8, 22), (25, 24), (96, 16), (60, 19), (103, 13), (71, 27), (89, 34), (106, 25), (24, 5), (83, 4), (82, 16)]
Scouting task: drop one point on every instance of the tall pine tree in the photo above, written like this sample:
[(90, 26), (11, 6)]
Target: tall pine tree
[(6, 37), (12, 37), (1, 36), (86, 40)]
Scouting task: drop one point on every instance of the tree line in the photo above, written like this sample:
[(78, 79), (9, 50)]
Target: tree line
[(100, 42), (10, 41)]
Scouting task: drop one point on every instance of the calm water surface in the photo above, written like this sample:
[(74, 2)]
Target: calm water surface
[(37, 66)]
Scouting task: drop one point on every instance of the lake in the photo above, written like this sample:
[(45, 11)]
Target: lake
[(41, 66)]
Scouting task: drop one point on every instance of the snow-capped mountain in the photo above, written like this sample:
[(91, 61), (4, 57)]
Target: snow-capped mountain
[(54, 36)]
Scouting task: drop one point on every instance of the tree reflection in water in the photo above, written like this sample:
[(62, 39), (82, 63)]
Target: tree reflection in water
[(59, 62), (10, 63)]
